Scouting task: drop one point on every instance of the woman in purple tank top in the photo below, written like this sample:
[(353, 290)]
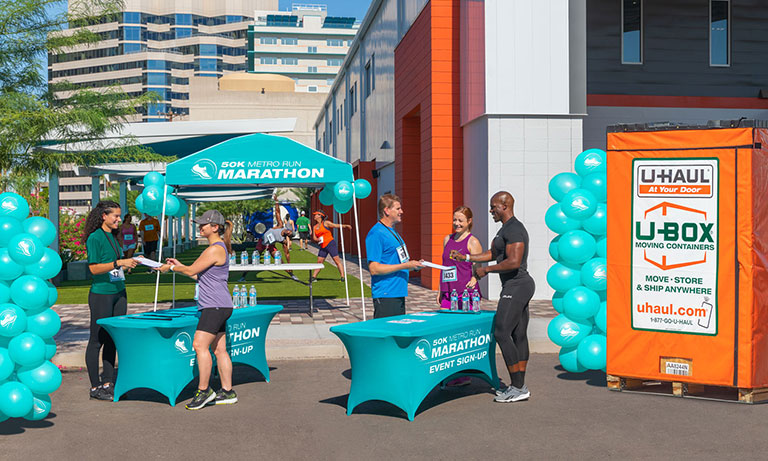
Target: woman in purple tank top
[(211, 270)]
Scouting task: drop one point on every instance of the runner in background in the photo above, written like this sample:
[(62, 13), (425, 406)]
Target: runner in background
[(321, 233), (149, 229), (510, 324), (302, 224), (280, 233), (127, 237)]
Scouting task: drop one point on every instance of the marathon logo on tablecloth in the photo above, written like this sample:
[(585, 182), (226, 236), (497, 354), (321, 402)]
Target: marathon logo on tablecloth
[(183, 343), (240, 337), (207, 169), (455, 350)]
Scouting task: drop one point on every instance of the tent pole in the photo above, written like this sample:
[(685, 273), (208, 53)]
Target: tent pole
[(160, 249), (343, 257), (359, 253), (173, 290)]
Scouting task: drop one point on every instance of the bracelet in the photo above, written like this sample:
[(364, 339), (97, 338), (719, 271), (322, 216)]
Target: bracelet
[(172, 266)]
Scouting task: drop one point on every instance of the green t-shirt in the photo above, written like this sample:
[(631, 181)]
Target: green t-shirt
[(302, 224), (103, 248)]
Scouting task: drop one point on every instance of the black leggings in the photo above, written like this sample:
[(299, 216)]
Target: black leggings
[(510, 324), (103, 306)]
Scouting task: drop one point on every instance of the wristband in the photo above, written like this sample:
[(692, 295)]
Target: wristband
[(172, 266)]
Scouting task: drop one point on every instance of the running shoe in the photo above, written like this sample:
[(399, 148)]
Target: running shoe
[(341, 279), (101, 394), (241, 279), (225, 397), (513, 394), (294, 278), (201, 399)]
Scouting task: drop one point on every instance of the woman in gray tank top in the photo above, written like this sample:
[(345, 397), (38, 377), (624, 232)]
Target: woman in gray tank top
[(211, 270)]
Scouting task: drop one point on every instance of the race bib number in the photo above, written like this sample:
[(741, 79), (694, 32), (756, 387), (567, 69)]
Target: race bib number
[(149, 227), (320, 240), (117, 275), (128, 237), (450, 275), (402, 253), (269, 238)]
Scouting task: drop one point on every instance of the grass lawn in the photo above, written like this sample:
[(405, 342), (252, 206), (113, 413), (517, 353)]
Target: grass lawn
[(140, 284)]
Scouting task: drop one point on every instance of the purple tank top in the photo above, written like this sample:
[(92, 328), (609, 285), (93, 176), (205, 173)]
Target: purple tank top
[(463, 269), (214, 291)]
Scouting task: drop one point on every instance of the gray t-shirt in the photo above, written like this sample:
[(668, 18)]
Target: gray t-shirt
[(274, 235), (512, 231)]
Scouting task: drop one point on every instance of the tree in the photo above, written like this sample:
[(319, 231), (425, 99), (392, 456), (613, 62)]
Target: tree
[(34, 114)]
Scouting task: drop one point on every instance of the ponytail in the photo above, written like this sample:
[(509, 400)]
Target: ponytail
[(226, 234)]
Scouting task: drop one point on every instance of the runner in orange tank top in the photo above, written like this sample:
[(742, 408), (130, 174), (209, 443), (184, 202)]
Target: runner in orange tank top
[(322, 235)]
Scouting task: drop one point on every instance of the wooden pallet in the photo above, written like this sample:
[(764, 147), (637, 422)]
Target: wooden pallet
[(689, 390)]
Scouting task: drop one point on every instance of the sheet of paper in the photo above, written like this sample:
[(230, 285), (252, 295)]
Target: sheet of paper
[(437, 266), (147, 262)]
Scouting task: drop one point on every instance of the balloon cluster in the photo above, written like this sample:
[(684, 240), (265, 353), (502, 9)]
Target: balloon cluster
[(27, 322), (150, 201), (340, 194), (579, 276)]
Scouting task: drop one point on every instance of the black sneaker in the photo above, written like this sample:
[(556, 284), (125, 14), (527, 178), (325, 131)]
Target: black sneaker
[(109, 389), (225, 397), (201, 399), (101, 394)]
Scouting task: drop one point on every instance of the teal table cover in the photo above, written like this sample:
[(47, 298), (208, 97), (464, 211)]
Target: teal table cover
[(155, 348), (401, 359)]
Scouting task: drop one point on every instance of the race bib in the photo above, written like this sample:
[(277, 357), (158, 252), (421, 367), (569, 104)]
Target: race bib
[(149, 227), (320, 240), (402, 253), (269, 238), (128, 237), (117, 275), (450, 275)]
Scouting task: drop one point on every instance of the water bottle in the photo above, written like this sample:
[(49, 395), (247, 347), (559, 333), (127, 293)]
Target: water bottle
[(244, 258), (454, 300), (278, 257), (197, 291), (465, 301), (266, 258), (475, 300), (252, 299), (243, 296), (232, 260), (236, 297), (255, 257)]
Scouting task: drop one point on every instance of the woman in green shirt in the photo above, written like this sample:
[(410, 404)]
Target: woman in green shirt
[(107, 296)]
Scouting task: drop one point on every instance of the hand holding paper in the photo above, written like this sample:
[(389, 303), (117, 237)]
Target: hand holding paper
[(147, 262)]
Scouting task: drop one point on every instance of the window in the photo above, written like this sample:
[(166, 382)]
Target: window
[(631, 32), (719, 33), (207, 49), (312, 89), (129, 48), (182, 32), (367, 80), (269, 60), (312, 49), (161, 93), (268, 41), (157, 78), (154, 64), (352, 100), (206, 75), (183, 19), (312, 69), (231, 18), (132, 33), (338, 120), (290, 41), (334, 62), (373, 72), (334, 42), (290, 61), (131, 17), (208, 64), (155, 109)]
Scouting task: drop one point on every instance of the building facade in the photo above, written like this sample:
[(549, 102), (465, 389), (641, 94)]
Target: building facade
[(305, 44)]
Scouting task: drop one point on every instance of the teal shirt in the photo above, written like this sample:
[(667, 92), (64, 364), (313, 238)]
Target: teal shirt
[(103, 248)]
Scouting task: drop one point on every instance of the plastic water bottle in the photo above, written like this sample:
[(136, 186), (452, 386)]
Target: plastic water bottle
[(475, 300), (197, 291), (278, 257), (236, 297), (232, 260), (252, 298), (465, 301), (244, 258), (266, 258), (454, 300), (255, 257)]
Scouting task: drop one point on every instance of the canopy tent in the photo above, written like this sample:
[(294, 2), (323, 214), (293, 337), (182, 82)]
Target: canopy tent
[(258, 161)]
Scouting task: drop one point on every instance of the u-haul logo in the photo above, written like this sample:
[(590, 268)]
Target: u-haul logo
[(690, 181)]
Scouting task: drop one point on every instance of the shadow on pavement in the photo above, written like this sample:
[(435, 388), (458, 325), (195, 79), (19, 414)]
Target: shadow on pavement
[(347, 373), (21, 425), (591, 377)]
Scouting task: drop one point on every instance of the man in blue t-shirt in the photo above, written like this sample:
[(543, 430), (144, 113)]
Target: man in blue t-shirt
[(388, 260)]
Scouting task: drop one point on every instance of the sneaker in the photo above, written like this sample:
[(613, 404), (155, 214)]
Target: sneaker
[(294, 278), (101, 394), (513, 394), (225, 397), (341, 280), (241, 279), (109, 389), (201, 399), (459, 382)]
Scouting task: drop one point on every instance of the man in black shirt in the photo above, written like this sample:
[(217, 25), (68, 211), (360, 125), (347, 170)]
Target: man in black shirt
[(510, 324)]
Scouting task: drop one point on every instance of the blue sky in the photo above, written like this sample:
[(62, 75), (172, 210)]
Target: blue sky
[(349, 8)]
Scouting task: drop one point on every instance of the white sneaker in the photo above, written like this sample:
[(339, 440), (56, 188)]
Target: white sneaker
[(513, 394)]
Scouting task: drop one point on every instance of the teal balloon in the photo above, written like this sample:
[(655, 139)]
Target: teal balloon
[(27, 350), (592, 352), (594, 274), (9, 228), (13, 205), (15, 399), (342, 206), (13, 320), (171, 205), (562, 278), (41, 379), (46, 267), (25, 249), (50, 348), (569, 360), (153, 178), (557, 302), (576, 247), (554, 253), (45, 324), (590, 161), (597, 183), (563, 183), (601, 248), (30, 293), (153, 196), (41, 406), (140, 204), (558, 222), (5, 291), (9, 269), (326, 196), (601, 318), (580, 303), (579, 204), (597, 224), (41, 228), (342, 190), (53, 294), (362, 188), (183, 208), (566, 332), (6, 364)]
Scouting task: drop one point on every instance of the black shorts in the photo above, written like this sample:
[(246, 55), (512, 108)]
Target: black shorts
[(331, 249), (388, 307), (213, 320), (150, 247), (304, 235)]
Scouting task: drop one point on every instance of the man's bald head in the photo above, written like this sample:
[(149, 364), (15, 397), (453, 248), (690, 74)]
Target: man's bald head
[(502, 206), (505, 198)]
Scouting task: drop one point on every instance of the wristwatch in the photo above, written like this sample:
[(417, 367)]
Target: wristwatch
[(114, 264)]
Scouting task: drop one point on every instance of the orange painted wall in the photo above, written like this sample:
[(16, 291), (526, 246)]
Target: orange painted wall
[(428, 139)]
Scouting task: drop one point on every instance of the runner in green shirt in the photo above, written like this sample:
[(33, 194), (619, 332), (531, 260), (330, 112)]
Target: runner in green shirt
[(107, 296), (302, 224)]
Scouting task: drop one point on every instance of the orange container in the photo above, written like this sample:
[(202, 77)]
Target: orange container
[(687, 255)]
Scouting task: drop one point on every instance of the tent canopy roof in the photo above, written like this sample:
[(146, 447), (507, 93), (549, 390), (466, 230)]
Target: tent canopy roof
[(260, 160)]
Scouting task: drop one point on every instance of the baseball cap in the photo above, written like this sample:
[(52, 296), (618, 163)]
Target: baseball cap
[(302, 212), (211, 217)]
